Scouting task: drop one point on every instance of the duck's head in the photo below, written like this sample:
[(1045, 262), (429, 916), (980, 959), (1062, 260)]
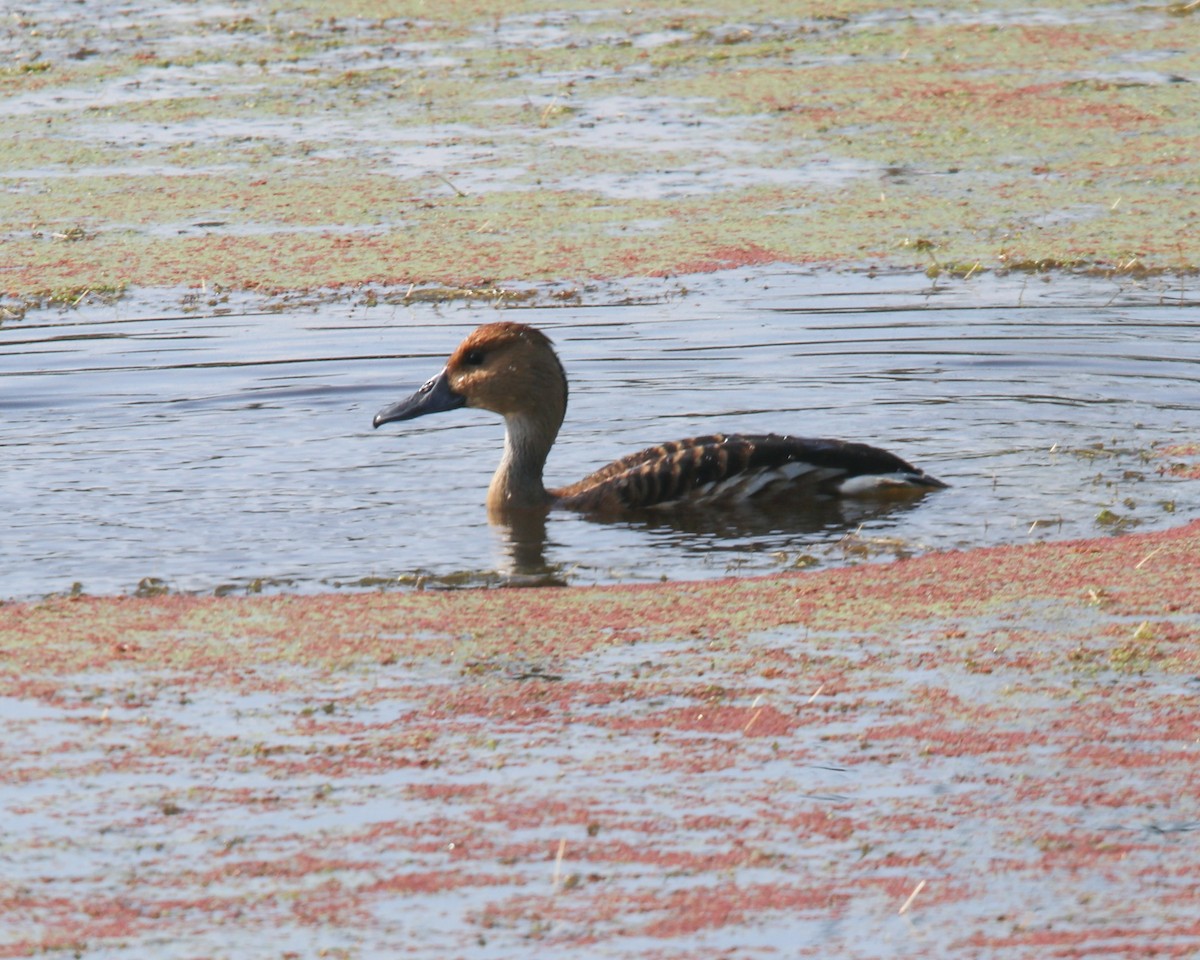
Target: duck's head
[(508, 368)]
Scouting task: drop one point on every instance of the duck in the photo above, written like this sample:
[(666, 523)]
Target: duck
[(513, 370)]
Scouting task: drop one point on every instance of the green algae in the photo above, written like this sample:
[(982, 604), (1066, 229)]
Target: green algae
[(324, 117)]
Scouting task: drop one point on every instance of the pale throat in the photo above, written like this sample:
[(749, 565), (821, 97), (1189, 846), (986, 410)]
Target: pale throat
[(517, 483)]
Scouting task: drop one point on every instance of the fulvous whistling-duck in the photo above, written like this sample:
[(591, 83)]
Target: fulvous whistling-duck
[(512, 369)]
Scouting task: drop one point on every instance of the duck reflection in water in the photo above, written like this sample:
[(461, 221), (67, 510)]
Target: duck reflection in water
[(726, 481), (723, 536)]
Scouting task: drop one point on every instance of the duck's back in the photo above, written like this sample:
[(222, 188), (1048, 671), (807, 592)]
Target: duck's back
[(719, 469)]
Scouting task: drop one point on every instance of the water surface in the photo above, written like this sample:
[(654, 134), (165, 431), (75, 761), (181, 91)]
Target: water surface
[(231, 448)]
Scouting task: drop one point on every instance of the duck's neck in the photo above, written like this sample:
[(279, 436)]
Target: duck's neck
[(517, 483)]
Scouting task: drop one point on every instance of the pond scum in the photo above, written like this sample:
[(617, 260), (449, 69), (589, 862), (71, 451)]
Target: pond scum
[(978, 753)]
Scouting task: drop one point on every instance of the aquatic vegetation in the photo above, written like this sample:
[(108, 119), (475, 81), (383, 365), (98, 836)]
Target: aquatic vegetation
[(308, 147)]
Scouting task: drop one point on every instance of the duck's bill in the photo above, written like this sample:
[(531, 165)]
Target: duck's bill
[(434, 397)]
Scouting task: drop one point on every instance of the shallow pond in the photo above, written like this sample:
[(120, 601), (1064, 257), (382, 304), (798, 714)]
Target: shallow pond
[(227, 448)]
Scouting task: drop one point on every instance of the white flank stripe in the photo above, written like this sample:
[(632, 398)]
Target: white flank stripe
[(870, 483)]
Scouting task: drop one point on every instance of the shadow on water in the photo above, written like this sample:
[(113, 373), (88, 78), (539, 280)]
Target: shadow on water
[(234, 450)]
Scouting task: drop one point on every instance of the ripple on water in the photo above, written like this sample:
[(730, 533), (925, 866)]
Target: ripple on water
[(236, 448)]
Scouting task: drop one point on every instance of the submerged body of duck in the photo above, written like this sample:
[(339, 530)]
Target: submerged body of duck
[(512, 369)]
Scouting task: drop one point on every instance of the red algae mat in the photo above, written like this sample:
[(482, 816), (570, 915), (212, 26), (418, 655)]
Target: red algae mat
[(985, 754)]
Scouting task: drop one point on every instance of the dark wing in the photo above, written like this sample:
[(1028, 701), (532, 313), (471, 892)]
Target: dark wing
[(718, 468)]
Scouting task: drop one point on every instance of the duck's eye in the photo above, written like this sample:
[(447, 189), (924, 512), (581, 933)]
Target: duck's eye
[(473, 358)]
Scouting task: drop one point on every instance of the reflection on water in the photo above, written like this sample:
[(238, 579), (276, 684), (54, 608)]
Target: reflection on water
[(523, 536), (522, 539), (773, 518), (237, 449)]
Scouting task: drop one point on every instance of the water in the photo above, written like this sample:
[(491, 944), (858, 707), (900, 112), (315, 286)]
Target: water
[(234, 450)]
